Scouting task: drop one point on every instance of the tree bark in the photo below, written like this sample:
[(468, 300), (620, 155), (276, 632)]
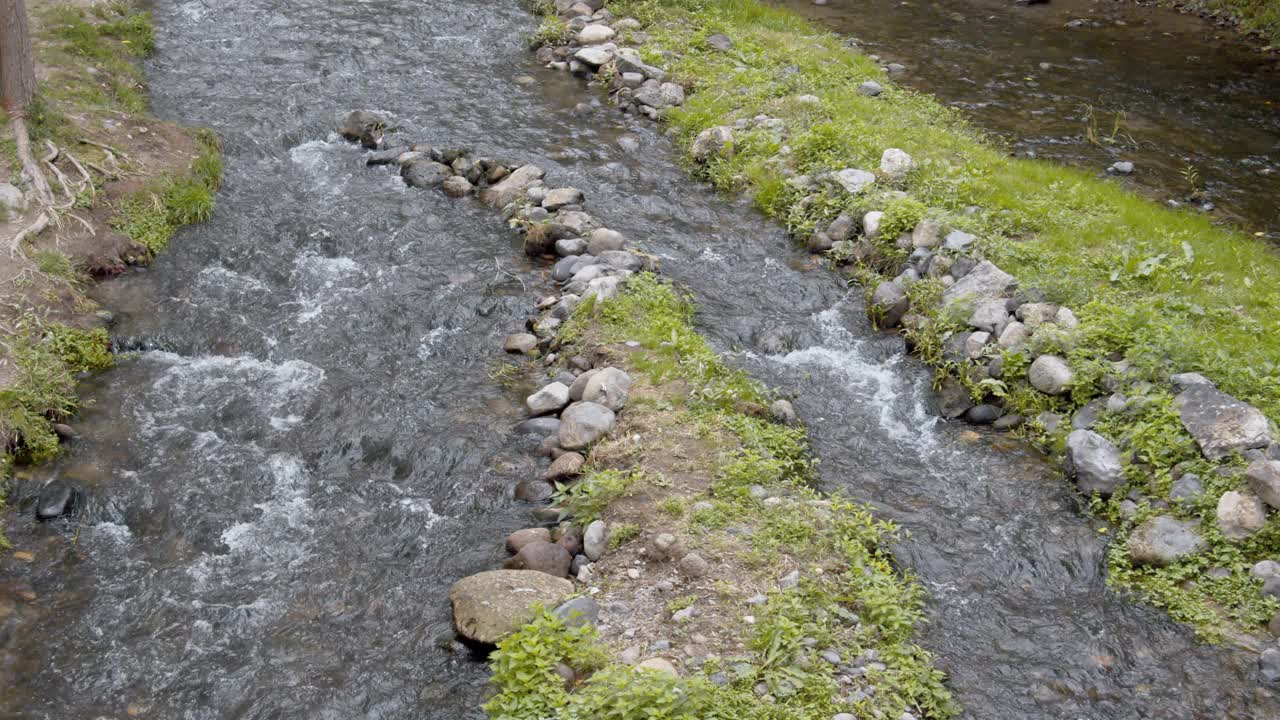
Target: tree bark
[(17, 69)]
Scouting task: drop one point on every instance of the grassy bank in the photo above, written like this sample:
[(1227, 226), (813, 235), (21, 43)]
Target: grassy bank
[(693, 457), (1256, 16), (1156, 290), (123, 181)]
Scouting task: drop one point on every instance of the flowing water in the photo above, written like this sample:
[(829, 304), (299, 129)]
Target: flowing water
[(1190, 104), (309, 450)]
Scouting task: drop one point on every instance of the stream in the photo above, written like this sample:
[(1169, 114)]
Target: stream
[(308, 448)]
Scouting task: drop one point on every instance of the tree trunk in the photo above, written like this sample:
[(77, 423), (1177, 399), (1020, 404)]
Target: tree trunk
[(17, 69)]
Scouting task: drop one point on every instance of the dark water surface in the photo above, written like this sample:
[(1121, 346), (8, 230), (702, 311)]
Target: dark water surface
[(282, 494), (1169, 92)]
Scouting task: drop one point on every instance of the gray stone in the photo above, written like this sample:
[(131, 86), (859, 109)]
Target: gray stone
[(425, 173), (511, 187), (605, 240), (895, 164), (1087, 416), (595, 540), (595, 35), (1240, 515), (1264, 480), (871, 224), (1094, 463), (551, 398), (363, 127), (1124, 167), (12, 201), (1050, 375), (534, 491), (783, 412), (520, 538), (579, 385), (620, 260), (789, 580), (1182, 381), (457, 186), (559, 197), (1066, 319), (659, 665), (1014, 336), (1009, 422), (595, 56), (959, 240), (55, 499), (870, 88), (608, 387), (520, 343), (975, 345), (891, 301), (1187, 488), (694, 565), (983, 282), (491, 604), (854, 181), (1265, 569), (672, 94), (1220, 423), (539, 426), (953, 398), (564, 267), (926, 234), (841, 228), (1162, 541), (568, 465), (1033, 315), (582, 423), (719, 42), (984, 414), (545, 557), (990, 316), (579, 611), (1269, 665), (714, 142)]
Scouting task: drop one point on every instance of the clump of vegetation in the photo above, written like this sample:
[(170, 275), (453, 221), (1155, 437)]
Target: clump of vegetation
[(152, 215), (586, 499)]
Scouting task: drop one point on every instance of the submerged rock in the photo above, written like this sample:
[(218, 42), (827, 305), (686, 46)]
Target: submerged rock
[(363, 127), (56, 498), (491, 604), (1163, 540)]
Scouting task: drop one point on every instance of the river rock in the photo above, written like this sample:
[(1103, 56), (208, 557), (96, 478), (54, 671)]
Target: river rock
[(1220, 423), (363, 127), (926, 234), (55, 498), (1240, 515), (870, 88), (892, 302), (595, 540), (583, 423), (1187, 488), (609, 388), (871, 224), (579, 611), (854, 181), (566, 466), (569, 247), (605, 240), (1033, 315), (985, 281), (595, 56), (984, 414), (694, 566), (565, 267), (579, 385), (1264, 480), (783, 412), (719, 42), (559, 197), (534, 491), (544, 557), (457, 186), (520, 180), (491, 604), (1124, 167), (549, 399), (714, 142), (672, 94), (990, 316), (621, 260), (1163, 540), (595, 35), (959, 241), (425, 173), (520, 538), (1050, 375), (539, 427), (1094, 463), (895, 164), (1014, 336)]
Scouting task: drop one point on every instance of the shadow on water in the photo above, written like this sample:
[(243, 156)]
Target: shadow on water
[(281, 495), (1171, 93)]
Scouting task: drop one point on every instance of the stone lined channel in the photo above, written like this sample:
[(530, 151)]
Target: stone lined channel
[(1190, 94), (282, 491)]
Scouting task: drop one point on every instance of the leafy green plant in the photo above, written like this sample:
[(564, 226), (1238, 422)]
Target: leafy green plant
[(587, 499)]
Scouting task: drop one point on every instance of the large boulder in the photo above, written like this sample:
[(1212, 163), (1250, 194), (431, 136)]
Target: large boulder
[(1094, 463), (1220, 423), (1240, 515), (984, 282), (1163, 540), (521, 179), (582, 423), (1050, 375), (1264, 480), (609, 388), (489, 605)]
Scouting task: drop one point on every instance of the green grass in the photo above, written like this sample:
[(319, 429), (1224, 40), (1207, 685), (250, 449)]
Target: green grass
[(1260, 16), (1165, 290), (833, 533), (110, 38), (152, 215), (1170, 289)]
